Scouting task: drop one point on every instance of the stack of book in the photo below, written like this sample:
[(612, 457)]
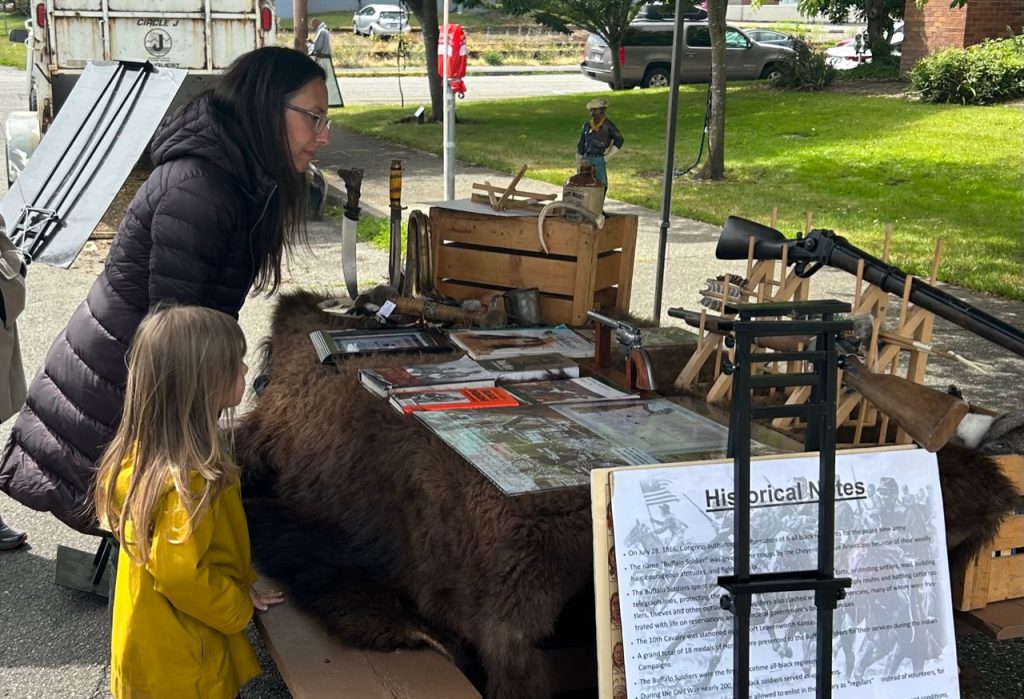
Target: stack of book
[(466, 372)]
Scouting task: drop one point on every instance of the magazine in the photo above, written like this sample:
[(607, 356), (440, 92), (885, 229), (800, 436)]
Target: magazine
[(487, 344), (531, 367), (587, 388), (453, 399), (533, 448), (458, 373), (330, 344)]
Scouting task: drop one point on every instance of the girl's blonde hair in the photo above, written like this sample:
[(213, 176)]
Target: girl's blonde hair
[(183, 368)]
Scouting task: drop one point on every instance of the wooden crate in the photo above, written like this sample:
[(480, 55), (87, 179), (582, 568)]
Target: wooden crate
[(998, 573), (480, 255)]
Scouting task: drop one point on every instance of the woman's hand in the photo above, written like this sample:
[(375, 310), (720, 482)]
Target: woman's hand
[(262, 599)]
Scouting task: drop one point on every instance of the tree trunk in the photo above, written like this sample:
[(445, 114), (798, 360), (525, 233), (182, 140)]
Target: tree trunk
[(426, 12), (714, 166), (616, 67), (300, 25), (879, 30)]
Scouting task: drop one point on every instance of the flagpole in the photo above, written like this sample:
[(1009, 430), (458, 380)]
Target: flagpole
[(447, 120)]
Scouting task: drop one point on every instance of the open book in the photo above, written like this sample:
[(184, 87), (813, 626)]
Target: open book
[(488, 344)]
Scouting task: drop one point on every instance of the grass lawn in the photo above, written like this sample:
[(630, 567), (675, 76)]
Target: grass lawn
[(855, 162), (11, 54)]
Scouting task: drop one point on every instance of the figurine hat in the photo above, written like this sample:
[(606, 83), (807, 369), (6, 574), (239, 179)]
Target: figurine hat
[(598, 103)]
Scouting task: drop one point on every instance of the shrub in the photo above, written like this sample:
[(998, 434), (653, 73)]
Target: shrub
[(493, 58), (986, 73), (807, 70)]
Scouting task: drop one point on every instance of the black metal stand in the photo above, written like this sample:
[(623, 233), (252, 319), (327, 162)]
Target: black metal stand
[(81, 570), (820, 414)]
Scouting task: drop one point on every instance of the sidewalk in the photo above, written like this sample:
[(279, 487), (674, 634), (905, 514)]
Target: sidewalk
[(690, 256)]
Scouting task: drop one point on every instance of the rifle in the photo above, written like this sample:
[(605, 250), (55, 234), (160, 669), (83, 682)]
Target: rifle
[(935, 415), (639, 373), (722, 326), (931, 421), (823, 247)]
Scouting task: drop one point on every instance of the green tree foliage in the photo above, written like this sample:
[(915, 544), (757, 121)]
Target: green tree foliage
[(609, 19)]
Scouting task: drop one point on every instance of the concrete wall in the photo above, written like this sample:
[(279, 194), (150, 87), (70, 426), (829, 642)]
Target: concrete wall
[(937, 26)]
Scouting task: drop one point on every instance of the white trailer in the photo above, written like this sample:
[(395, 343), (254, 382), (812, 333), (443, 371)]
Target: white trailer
[(62, 36)]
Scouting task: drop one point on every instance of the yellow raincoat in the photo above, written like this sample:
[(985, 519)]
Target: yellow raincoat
[(179, 620)]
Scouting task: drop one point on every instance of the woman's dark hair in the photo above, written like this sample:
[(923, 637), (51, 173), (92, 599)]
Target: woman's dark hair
[(253, 91)]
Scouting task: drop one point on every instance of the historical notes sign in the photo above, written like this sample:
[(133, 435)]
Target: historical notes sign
[(672, 532)]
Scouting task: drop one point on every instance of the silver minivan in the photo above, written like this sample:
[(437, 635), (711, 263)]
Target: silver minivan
[(646, 55)]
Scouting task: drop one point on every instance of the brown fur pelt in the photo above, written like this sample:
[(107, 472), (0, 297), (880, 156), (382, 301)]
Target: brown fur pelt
[(387, 535), (976, 497)]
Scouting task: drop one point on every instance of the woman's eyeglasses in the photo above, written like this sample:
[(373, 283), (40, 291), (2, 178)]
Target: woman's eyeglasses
[(320, 121)]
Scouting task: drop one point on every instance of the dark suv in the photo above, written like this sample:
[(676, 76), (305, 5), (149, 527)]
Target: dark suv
[(646, 55)]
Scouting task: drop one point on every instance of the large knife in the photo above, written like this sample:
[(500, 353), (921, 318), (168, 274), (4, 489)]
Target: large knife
[(353, 179), (395, 256)]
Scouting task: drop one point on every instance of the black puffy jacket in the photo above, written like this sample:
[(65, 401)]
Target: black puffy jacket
[(187, 237)]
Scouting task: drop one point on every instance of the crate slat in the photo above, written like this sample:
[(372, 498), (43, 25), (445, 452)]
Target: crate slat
[(988, 578), (480, 255)]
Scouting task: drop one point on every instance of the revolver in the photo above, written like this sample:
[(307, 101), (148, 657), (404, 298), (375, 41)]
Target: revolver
[(639, 374)]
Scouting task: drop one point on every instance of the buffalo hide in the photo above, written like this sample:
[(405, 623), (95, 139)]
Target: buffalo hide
[(392, 540), (386, 534)]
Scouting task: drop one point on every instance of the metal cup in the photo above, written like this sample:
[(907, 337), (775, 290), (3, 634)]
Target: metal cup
[(522, 306)]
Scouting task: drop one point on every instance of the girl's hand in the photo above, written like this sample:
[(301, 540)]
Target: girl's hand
[(262, 599)]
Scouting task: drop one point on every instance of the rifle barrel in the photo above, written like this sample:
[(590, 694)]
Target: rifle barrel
[(891, 279)]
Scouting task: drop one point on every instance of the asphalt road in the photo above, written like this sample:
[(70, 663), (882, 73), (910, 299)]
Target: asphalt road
[(415, 91), (54, 642)]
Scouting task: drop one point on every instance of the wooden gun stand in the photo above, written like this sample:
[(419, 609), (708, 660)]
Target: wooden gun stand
[(820, 413)]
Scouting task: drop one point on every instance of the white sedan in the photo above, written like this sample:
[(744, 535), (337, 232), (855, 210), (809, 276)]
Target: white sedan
[(850, 53), (383, 21)]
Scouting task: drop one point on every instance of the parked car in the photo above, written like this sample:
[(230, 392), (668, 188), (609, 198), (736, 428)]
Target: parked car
[(855, 51), (646, 55), (381, 21), (770, 36)]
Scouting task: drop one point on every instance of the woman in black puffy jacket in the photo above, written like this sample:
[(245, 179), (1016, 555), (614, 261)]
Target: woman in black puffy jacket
[(213, 220)]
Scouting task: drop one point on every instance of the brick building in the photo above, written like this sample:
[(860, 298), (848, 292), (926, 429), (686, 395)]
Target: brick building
[(937, 26)]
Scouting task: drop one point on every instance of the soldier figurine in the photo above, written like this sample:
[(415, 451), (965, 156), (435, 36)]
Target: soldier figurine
[(599, 140)]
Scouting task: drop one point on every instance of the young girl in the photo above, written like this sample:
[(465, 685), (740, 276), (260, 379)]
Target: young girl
[(168, 489)]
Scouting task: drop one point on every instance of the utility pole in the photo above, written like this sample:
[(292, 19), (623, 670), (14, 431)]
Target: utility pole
[(300, 9)]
